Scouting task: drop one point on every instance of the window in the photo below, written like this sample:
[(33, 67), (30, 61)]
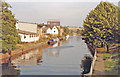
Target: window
[(54, 31), (24, 37), (30, 35)]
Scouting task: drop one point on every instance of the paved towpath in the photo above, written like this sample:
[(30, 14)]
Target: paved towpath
[(99, 68)]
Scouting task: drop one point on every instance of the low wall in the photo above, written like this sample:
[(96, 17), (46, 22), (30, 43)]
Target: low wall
[(92, 65), (14, 54)]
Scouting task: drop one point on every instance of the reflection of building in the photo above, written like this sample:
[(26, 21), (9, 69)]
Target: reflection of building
[(27, 59), (54, 51)]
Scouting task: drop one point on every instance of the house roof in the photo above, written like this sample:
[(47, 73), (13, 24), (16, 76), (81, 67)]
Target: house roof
[(41, 25), (44, 29), (28, 27), (25, 32)]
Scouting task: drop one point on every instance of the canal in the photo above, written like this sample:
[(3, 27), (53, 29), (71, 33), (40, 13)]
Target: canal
[(62, 58)]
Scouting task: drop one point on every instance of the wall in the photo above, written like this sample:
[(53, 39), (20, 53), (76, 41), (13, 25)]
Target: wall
[(28, 38)]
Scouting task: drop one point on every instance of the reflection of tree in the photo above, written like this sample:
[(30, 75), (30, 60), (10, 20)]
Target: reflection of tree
[(39, 55), (10, 69)]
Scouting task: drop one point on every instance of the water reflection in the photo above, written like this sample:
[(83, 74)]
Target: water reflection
[(62, 58), (28, 59), (39, 55), (10, 68), (53, 51), (61, 47)]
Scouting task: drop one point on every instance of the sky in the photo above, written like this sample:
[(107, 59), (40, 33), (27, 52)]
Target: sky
[(61, 0), (69, 12)]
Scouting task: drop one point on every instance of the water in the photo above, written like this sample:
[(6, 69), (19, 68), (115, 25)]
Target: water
[(63, 58)]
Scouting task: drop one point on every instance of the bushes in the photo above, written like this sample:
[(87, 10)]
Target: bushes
[(10, 36)]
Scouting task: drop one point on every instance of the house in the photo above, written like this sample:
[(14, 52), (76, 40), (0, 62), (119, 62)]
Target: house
[(54, 30), (53, 22), (52, 27), (28, 31)]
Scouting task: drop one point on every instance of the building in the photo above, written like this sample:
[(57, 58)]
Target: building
[(52, 27), (28, 31), (54, 30), (53, 22)]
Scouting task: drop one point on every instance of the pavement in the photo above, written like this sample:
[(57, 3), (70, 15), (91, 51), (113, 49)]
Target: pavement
[(99, 67)]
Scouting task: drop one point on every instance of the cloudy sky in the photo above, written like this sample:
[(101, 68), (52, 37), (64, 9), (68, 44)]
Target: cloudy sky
[(70, 12)]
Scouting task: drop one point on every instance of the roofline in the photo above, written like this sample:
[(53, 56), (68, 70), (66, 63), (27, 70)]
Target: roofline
[(26, 22), (55, 20)]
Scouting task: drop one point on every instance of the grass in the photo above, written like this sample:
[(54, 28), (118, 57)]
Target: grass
[(112, 59), (109, 65), (106, 56), (22, 45)]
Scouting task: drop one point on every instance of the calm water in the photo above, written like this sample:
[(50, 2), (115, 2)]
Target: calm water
[(62, 58)]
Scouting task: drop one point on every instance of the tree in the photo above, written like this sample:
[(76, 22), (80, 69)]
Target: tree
[(66, 30), (118, 32), (78, 31), (10, 36), (101, 25)]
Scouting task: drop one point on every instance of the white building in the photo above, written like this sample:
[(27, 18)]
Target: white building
[(52, 30), (55, 30), (49, 31), (27, 31)]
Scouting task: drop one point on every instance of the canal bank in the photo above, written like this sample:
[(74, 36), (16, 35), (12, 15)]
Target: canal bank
[(88, 61), (24, 48), (18, 52), (63, 58)]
